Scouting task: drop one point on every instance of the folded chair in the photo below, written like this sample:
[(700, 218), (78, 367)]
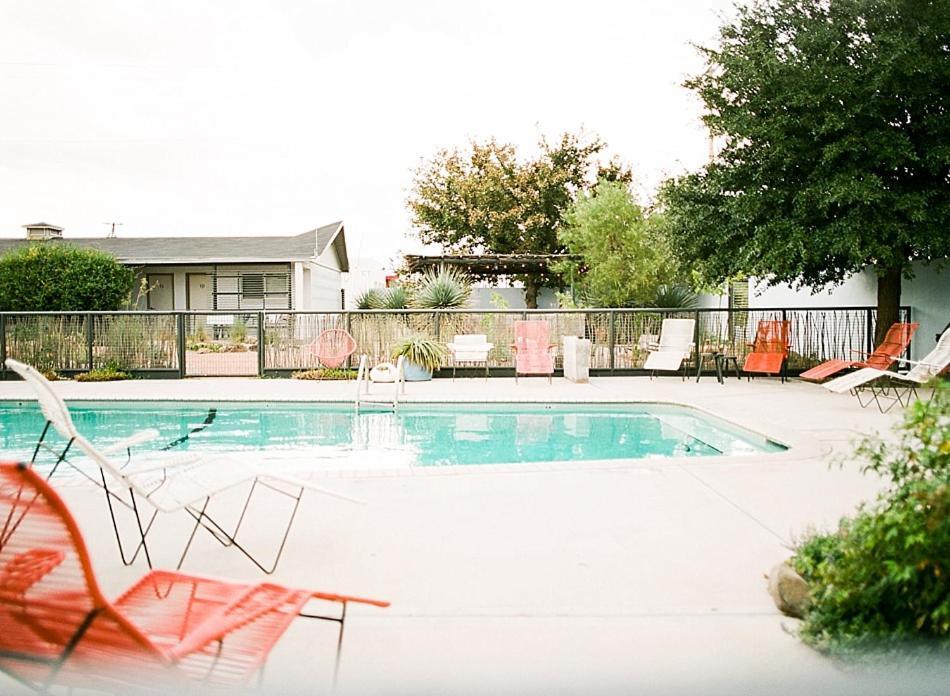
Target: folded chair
[(333, 347), (889, 388), (675, 346), (534, 354), (170, 632), (894, 344), (769, 354), (185, 482)]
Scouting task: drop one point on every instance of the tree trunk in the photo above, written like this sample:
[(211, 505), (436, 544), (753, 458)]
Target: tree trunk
[(888, 302), (531, 293)]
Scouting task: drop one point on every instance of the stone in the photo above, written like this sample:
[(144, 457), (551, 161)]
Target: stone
[(789, 590)]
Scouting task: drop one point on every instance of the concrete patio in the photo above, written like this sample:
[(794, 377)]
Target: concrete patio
[(584, 578)]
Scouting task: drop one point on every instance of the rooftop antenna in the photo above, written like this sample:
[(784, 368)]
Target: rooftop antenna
[(112, 229)]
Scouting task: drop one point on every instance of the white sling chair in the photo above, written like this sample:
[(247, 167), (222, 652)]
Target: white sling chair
[(888, 388), (676, 344), (169, 484)]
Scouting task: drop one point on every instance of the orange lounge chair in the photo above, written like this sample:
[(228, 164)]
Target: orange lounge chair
[(770, 350), (169, 632), (894, 344), (333, 347), (534, 354)]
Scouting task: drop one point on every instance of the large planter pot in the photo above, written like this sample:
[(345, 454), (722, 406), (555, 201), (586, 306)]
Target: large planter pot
[(415, 373)]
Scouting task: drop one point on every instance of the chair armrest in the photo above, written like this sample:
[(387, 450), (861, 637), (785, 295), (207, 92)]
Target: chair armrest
[(134, 439)]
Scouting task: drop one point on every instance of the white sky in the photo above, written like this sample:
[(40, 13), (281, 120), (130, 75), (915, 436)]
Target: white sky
[(272, 117)]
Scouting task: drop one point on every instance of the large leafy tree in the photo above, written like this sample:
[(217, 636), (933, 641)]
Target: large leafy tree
[(625, 257), (484, 199), (837, 145)]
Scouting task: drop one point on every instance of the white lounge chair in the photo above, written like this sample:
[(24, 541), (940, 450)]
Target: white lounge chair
[(888, 388), (675, 345), (470, 349), (185, 482)]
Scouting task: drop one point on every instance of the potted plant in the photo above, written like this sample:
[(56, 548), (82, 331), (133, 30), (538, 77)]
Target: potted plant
[(422, 356)]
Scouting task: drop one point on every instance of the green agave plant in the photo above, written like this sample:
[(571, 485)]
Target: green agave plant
[(424, 352), (395, 297), (445, 288), (369, 299), (675, 297)]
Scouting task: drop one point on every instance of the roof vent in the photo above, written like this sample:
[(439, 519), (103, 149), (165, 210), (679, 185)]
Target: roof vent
[(41, 231)]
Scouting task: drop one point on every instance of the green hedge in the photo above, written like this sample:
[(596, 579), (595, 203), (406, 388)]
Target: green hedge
[(57, 277)]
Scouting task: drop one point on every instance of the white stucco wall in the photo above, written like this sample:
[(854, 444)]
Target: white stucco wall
[(927, 294)]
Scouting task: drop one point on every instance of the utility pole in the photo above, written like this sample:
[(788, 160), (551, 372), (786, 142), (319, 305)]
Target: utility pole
[(112, 230)]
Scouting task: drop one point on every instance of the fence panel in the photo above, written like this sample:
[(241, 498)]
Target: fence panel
[(221, 345), (133, 342), (49, 342)]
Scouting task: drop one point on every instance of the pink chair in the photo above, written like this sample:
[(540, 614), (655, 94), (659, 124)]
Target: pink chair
[(534, 353), (333, 347)]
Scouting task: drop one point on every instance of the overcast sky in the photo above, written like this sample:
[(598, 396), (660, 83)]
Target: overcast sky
[(244, 118)]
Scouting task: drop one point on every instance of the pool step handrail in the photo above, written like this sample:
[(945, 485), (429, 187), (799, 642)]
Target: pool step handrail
[(400, 378), (362, 375)]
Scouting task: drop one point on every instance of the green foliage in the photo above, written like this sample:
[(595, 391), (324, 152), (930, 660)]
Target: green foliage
[(369, 299), (109, 373), (445, 288), (486, 200), (675, 296), (422, 351), (396, 297), (625, 257), (54, 276), (835, 144), (326, 373), (883, 578), (238, 332)]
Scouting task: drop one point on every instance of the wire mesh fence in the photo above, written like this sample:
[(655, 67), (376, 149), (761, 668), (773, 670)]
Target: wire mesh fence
[(259, 342)]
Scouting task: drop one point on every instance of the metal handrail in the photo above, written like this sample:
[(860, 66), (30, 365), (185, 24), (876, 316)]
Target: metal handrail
[(361, 375), (400, 377)]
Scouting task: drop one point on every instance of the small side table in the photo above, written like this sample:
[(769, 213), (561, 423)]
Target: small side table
[(706, 356), (724, 361)]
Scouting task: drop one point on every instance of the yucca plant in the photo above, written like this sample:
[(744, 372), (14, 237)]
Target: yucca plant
[(422, 351), (445, 288), (675, 297), (395, 297), (369, 299)]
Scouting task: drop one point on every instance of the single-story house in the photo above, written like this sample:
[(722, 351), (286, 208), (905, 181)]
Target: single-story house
[(302, 271)]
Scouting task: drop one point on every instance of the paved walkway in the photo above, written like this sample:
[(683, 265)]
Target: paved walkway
[(642, 577)]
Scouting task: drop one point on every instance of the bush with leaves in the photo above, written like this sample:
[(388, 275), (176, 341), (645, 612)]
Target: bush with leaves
[(883, 578), (57, 277)]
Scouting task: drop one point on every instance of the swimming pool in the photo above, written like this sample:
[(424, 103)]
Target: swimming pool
[(416, 436)]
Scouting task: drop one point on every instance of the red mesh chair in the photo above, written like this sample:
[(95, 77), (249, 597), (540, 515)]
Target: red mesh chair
[(534, 355), (333, 347), (770, 350), (894, 344), (169, 632)]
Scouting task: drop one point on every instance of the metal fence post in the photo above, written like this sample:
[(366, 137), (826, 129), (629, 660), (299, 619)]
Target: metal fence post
[(438, 325), (260, 344), (180, 330), (90, 339), (869, 333), (697, 349), (611, 339), (3, 345)]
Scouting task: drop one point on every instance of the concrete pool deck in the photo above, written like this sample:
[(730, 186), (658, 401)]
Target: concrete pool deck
[(637, 577)]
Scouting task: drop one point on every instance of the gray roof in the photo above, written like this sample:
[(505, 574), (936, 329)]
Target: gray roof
[(187, 250)]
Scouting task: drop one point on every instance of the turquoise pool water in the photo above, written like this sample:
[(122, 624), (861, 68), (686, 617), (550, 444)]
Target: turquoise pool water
[(429, 435)]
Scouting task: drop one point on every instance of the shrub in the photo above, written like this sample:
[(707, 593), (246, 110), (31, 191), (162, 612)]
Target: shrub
[(330, 373), (369, 299), (421, 351), (103, 374), (53, 276), (238, 332), (396, 297), (883, 578)]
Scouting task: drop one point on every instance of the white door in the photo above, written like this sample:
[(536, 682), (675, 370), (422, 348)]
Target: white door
[(199, 291), (161, 291)]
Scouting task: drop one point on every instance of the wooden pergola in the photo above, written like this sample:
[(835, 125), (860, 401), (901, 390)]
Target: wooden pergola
[(491, 264)]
